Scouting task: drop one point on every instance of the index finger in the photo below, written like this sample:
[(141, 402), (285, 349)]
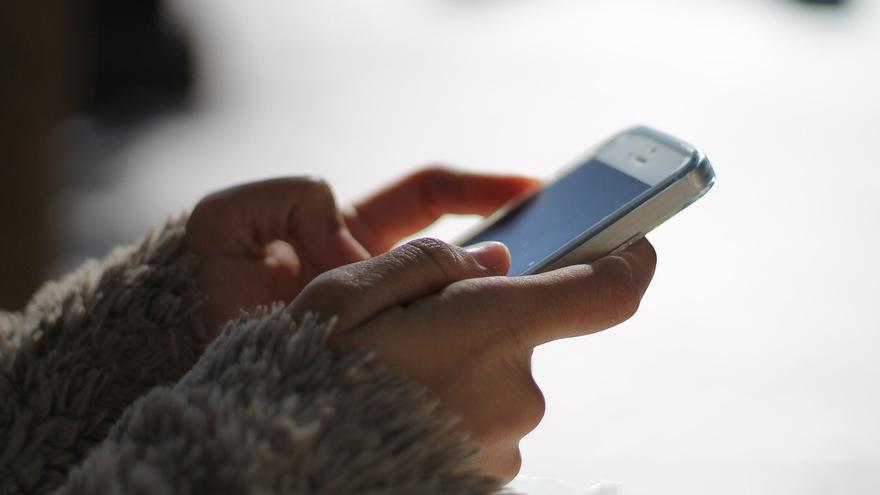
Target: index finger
[(416, 201), (572, 301)]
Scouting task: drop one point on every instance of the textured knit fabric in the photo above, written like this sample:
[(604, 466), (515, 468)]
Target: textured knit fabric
[(105, 388)]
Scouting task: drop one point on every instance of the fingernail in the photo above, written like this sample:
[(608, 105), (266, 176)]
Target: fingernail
[(490, 255)]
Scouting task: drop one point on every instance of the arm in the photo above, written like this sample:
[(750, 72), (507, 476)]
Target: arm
[(84, 349), (270, 408), (276, 407)]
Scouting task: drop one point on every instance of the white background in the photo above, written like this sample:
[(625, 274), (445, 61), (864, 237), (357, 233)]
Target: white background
[(752, 365)]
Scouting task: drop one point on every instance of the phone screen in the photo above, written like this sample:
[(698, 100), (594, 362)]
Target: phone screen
[(560, 212)]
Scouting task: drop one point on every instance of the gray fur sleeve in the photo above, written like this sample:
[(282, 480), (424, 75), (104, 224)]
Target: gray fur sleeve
[(271, 409), (84, 349)]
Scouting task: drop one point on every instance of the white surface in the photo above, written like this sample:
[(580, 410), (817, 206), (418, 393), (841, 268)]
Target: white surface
[(751, 366)]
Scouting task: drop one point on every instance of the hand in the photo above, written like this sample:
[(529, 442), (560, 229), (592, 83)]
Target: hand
[(263, 242), (445, 317)]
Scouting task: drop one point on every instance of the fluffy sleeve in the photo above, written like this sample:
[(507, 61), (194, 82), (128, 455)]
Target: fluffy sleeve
[(84, 349), (271, 409)]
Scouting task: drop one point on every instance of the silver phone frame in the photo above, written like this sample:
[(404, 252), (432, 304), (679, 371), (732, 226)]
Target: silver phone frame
[(633, 220)]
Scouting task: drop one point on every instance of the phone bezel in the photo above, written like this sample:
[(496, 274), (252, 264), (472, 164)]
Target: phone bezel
[(695, 167)]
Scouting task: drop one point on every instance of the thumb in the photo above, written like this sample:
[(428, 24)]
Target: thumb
[(357, 292)]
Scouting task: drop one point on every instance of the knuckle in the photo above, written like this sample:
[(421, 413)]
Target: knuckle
[(650, 254), (313, 186), (511, 465), (626, 302), (316, 199), (622, 290), (320, 287), (533, 408), (435, 182), (208, 202), (313, 182), (200, 213), (520, 408), (330, 293), (211, 204), (330, 283), (442, 257), (434, 170)]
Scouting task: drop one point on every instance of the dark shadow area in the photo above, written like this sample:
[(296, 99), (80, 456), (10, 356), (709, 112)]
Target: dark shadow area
[(137, 64), (115, 64), (831, 3)]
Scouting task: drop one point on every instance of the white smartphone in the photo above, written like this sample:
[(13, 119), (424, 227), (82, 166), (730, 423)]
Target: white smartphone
[(608, 200)]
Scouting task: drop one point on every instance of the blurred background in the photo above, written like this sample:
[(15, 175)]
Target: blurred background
[(752, 365)]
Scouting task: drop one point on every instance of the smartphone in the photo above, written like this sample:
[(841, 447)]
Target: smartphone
[(608, 200)]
